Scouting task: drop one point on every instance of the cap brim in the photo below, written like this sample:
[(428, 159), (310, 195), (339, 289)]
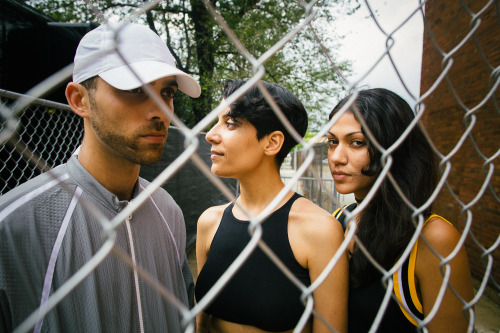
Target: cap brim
[(134, 75)]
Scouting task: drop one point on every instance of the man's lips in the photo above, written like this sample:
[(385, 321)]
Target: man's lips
[(157, 137)]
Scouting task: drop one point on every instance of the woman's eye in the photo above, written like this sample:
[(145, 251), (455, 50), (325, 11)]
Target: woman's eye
[(358, 143), (332, 141)]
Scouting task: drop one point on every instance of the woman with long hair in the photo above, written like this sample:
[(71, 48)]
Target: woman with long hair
[(385, 224), (249, 143)]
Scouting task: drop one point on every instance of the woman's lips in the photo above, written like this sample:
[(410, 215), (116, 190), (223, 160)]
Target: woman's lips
[(214, 154), (339, 175)]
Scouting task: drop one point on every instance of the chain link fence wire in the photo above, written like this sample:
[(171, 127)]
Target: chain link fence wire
[(36, 135), (46, 135)]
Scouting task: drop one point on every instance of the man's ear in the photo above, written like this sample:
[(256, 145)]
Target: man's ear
[(275, 141), (78, 99)]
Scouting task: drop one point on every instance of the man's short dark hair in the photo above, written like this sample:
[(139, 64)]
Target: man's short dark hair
[(90, 83)]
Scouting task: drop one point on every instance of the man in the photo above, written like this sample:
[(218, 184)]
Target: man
[(52, 225)]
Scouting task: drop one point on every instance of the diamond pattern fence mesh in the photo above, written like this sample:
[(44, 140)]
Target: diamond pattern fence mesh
[(458, 104)]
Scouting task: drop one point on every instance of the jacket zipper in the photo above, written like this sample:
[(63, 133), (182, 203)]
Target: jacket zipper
[(136, 277)]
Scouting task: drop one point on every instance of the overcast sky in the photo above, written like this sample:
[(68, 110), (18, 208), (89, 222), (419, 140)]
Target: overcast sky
[(364, 43)]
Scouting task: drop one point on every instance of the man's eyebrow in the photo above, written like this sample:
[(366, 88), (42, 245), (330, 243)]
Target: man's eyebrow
[(169, 83)]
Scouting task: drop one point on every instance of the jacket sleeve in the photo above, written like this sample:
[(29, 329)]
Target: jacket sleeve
[(5, 315), (189, 282)]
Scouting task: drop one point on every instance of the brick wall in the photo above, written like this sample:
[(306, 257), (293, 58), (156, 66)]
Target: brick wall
[(445, 118)]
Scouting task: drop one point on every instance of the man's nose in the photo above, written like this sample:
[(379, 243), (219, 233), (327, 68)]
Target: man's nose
[(159, 111)]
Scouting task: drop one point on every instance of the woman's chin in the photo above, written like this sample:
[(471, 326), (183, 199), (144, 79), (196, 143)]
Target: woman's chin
[(342, 189)]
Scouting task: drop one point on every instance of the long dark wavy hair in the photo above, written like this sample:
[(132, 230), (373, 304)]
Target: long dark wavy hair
[(385, 226)]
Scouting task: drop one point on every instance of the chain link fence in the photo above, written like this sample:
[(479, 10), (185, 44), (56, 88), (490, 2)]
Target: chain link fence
[(46, 135), (36, 135)]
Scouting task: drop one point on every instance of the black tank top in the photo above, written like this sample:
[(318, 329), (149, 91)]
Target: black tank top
[(259, 294), (365, 301)]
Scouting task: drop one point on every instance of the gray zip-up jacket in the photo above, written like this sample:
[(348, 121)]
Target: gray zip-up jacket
[(50, 228)]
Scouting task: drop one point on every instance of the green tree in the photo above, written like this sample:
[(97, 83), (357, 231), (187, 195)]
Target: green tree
[(202, 49)]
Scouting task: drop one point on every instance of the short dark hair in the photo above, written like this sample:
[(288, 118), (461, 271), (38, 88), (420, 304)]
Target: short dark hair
[(254, 108), (90, 83)]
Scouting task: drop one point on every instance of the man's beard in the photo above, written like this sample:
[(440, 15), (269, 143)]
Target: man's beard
[(128, 147)]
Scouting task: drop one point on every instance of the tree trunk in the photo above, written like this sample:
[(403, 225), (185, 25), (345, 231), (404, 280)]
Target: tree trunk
[(204, 36)]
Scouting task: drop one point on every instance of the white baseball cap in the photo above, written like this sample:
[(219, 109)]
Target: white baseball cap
[(146, 58)]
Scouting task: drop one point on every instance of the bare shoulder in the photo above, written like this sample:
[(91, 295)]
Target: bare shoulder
[(312, 219), (208, 223), (314, 234), (211, 217), (441, 235)]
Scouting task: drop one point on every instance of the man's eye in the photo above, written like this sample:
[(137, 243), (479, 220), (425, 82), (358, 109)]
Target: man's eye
[(136, 91), (169, 92), (230, 124)]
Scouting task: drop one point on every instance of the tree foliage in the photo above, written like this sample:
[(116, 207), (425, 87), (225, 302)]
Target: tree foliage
[(202, 49)]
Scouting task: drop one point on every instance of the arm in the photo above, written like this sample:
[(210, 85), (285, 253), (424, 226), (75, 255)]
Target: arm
[(443, 238), (206, 228), (330, 299), (5, 315), (314, 244)]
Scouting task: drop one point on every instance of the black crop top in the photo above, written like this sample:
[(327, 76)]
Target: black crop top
[(259, 294)]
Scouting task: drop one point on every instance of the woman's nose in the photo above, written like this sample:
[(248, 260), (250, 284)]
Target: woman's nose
[(212, 135), (338, 155)]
